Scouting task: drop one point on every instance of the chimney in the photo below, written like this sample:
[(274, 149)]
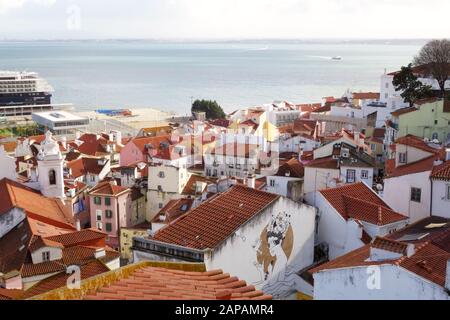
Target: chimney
[(99, 253), (64, 142), (78, 225), (251, 181)]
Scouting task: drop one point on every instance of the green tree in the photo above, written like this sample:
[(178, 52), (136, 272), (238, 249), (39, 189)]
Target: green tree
[(412, 89), (212, 109)]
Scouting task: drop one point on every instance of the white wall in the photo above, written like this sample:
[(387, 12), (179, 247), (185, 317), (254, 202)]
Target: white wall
[(395, 283), (340, 235), (397, 194), (281, 185), (246, 242), (318, 179), (368, 181), (441, 204)]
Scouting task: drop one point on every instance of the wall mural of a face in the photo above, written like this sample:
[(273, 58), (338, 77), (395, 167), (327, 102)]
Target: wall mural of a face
[(275, 245)]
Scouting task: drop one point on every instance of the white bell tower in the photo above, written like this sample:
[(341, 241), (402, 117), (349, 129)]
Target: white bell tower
[(50, 168)]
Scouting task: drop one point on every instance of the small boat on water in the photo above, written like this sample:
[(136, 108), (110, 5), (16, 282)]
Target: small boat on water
[(336, 58)]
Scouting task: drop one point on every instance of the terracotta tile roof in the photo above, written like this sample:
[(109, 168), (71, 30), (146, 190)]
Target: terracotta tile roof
[(423, 165), (108, 188), (221, 123), (14, 247), (292, 168), (389, 166), (416, 142), (14, 194), (189, 189), (92, 146), (173, 210), (426, 101), (215, 220), (362, 210), (359, 202), (366, 95), (390, 245), (441, 172), (59, 280), (308, 107), (10, 294), (249, 123), (155, 141), (305, 126), (84, 165), (40, 242), (326, 108), (42, 229), (155, 283), (78, 238), (402, 111), (326, 163), (9, 146)]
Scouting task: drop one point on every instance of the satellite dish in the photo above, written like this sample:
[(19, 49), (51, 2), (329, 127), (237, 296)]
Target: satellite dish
[(379, 187)]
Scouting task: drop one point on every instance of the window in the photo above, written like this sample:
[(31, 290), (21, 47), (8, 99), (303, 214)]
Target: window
[(364, 174), (98, 200), (387, 86), (272, 183), (46, 256), (435, 122), (108, 214), (52, 177), (108, 227), (93, 178), (351, 175), (402, 157), (107, 201), (161, 175), (99, 226), (416, 194), (161, 205), (99, 215), (373, 146), (435, 136), (448, 192)]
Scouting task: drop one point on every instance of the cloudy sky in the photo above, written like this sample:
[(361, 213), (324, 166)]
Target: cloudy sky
[(208, 19)]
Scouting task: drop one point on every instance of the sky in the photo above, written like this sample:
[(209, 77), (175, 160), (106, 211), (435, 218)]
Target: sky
[(224, 19)]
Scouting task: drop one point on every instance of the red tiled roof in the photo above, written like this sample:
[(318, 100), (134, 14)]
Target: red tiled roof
[(390, 245), (416, 142), (83, 166), (189, 188), (327, 163), (326, 108), (305, 126), (292, 168), (399, 112), (78, 237), (108, 188), (40, 242), (155, 283), (14, 194), (366, 95), (216, 219), (359, 202), (362, 210), (10, 294), (221, 123), (173, 210), (59, 280), (155, 141), (441, 172), (423, 165)]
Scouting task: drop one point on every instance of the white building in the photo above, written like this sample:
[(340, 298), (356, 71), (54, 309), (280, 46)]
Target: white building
[(351, 216), (392, 98), (440, 189), (271, 238), (288, 182), (60, 122), (414, 162), (413, 264)]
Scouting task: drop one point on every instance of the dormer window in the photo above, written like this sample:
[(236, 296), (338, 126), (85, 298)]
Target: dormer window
[(52, 177), (46, 256)]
